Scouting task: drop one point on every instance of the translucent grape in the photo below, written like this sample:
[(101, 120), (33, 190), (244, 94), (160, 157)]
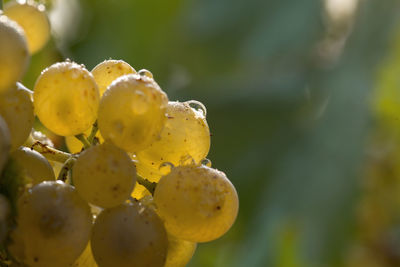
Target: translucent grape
[(197, 203), (75, 146), (17, 110), (66, 98), (104, 175), (85, 259), (34, 166), (53, 226), (129, 235), (4, 142), (185, 136), (14, 53), (132, 112), (33, 20), (109, 70), (179, 252)]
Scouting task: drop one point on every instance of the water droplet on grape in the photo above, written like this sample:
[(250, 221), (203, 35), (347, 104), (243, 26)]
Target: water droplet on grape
[(206, 162), (146, 73), (197, 106)]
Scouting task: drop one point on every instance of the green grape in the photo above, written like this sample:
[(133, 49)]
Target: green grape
[(34, 166), (14, 54), (197, 203), (66, 98), (53, 226), (109, 70), (75, 146), (104, 175), (85, 259), (17, 110), (4, 142), (132, 112), (129, 235), (185, 136), (179, 252), (33, 20)]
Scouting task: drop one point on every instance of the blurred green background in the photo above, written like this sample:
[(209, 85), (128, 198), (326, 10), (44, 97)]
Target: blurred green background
[(303, 104)]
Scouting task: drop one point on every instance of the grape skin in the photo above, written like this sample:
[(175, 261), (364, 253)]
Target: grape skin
[(35, 167), (14, 53), (66, 98), (85, 259), (129, 235), (185, 136), (179, 252), (197, 203), (132, 112), (53, 226), (17, 110), (104, 175), (4, 143), (33, 20), (109, 70)]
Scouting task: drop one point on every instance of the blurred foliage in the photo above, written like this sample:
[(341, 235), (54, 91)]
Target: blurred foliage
[(303, 108)]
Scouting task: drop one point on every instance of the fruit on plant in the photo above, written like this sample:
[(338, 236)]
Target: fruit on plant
[(109, 70), (4, 143), (185, 137), (132, 112), (179, 252), (33, 20), (85, 259), (17, 110), (66, 98), (104, 175), (129, 235), (53, 226), (14, 53), (34, 166), (197, 203), (75, 146)]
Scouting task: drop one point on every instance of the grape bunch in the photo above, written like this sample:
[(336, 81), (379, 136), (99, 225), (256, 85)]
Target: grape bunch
[(134, 187)]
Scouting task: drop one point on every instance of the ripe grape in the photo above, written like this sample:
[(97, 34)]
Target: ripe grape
[(197, 203), (34, 166), (132, 112), (85, 259), (66, 98), (129, 235), (139, 191), (4, 142), (14, 53), (53, 226), (179, 252), (109, 70), (33, 20), (104, 175), (75, 146), (185, 136), (17, 110)]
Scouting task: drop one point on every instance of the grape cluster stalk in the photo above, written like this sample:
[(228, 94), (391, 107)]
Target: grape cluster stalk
[(134, 188)]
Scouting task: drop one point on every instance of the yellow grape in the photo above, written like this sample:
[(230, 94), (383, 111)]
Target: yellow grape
[(185, 136), (139, 191), (33, 20), (75, 146), (85, 259), (66, 98), (53, 226), (34, 166), (104, 175), (4, 142), (129, 235), (132, 112), (197, 203), (109, 70), (179, 252), (17, 110), (14, 54)]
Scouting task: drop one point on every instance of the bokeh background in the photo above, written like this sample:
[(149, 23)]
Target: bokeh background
[(303, 102)]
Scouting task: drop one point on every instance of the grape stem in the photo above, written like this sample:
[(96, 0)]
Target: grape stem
[(50, 153), (82, 138), (150, 186), (93, 133), (63, 175)]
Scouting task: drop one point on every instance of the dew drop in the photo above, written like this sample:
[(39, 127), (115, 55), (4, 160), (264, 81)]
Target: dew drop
[(197, 106), (206, 162), (146, 73)]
